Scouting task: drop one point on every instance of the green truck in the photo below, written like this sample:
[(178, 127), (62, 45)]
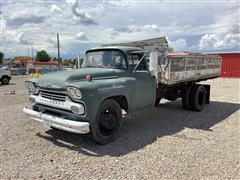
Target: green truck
[(113, 79)]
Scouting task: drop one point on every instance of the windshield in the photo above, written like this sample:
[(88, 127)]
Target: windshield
[(105, 59)]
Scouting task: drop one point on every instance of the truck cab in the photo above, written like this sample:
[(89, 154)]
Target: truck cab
[(91, 99)]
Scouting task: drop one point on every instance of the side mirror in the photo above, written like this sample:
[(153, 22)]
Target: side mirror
[(153, 64)]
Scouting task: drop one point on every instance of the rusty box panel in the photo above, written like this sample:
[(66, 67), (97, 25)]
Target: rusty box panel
[(183, 68)]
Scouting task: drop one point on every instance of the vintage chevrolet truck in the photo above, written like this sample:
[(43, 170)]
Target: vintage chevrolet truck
[(113, 79)]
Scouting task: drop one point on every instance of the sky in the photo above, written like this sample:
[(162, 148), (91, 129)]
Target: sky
[(188, 25)]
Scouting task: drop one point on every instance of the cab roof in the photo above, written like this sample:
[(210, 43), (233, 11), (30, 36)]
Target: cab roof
[(125, 49)]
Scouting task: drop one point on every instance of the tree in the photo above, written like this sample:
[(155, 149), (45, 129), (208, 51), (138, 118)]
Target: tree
[(170, 49), (66, 62), (1, 57), (43, 56)]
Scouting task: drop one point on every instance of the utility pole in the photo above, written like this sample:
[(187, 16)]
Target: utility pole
[(32, 51), (59, 60)]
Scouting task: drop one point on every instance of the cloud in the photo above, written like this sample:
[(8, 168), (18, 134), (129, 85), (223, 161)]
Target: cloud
[(152, 28), (84, 18), (119, 21), (227, 38), (81, 36), (23, 39), (123, 30), (19, 21), (137, 28), (178, 45), (219, 41), (54, 7)]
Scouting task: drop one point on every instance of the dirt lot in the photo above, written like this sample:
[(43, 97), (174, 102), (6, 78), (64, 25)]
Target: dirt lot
[(166, 142)]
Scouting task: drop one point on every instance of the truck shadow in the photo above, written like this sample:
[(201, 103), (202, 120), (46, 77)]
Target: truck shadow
[(144, 127)]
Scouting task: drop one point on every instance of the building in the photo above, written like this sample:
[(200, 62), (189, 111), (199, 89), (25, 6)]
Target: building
[(21, 61), (26, 65), (230, 64), (42, 67)]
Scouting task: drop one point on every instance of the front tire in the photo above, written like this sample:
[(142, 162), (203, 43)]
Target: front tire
[(157, 101), (108, 122)]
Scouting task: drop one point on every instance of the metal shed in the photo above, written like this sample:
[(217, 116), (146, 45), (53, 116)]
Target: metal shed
[(230, 64)]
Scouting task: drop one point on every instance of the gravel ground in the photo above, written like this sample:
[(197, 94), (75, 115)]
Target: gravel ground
[(166, 142)]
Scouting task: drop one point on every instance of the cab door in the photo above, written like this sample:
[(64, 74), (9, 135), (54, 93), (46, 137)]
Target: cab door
[(143, 88)]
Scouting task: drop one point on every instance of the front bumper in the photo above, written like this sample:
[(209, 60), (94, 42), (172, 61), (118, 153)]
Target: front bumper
[(57, 122)]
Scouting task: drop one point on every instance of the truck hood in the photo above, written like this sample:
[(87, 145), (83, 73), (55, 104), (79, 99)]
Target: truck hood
[(60, 79)]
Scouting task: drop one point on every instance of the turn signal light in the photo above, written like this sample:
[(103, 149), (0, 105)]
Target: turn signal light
[(75, 109)]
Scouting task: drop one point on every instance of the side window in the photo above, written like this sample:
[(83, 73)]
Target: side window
[(119, 61), (130, 61), (134, 59)]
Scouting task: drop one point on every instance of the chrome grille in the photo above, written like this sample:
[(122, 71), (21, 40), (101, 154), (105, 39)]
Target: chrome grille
[(53, 95)]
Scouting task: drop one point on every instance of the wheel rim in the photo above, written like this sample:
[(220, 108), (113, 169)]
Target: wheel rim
[(108, 121)]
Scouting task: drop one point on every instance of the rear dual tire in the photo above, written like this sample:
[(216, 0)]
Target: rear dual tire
[(194, 97)]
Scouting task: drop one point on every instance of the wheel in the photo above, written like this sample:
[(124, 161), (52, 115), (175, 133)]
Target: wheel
[(197, 98), (185, 97), (5, 80), (107, 123), (157, 101)]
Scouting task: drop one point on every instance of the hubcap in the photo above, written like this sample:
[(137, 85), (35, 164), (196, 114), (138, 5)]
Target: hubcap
[(108, 121)]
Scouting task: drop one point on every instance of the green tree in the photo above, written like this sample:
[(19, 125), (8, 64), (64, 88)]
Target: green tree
[(43, 56), (1, 57), (170, 49), (66, 62)]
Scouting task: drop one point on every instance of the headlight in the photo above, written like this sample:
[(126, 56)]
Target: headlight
[(30, 86), (78, 93), (74, 92), (37, 90)]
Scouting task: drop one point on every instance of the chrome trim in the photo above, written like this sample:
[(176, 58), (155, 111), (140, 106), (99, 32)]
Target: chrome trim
[(74, 99), (57, 96), (57, 122), (76, 88), (68, 98), (59, 104), (114, 86)]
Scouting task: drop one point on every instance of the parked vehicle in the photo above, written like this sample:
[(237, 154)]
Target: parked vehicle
[(116, 78), (5, 75)]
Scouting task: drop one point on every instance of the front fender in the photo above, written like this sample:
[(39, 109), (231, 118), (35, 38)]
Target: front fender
[(96, 91)]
